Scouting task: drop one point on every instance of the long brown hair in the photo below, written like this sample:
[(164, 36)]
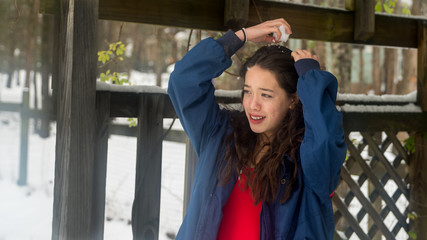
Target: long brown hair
[(240, 144)]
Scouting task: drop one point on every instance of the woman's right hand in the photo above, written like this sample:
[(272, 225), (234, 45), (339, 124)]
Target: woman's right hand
[(264, 31)]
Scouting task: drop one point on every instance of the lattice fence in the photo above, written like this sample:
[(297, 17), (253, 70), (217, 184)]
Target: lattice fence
[(372, 198)]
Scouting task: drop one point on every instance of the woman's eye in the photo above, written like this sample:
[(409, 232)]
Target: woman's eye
[(266, 95), (246, 92)]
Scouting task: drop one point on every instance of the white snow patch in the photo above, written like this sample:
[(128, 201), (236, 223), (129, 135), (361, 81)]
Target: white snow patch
[(408, 108), (348, 97)]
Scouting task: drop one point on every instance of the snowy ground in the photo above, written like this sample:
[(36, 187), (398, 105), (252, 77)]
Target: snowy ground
[(26, 212)]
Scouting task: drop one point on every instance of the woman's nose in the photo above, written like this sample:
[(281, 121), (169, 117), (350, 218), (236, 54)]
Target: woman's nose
[(255, 103)]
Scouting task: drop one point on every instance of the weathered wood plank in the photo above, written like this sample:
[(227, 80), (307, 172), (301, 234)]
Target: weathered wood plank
[(418, 181), (236, 13), (74, 160), (125, 104), (422, 65), (307, 21), (371, 122), (146, 205), (100, 165), (336, 25), (364, 20)]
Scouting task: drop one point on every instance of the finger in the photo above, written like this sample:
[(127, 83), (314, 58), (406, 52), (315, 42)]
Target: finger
[(296, 56), (315, 57), (288, 26), (281, 21)]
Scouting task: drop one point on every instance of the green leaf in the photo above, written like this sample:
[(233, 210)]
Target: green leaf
[(378, 6), (412, 235), (412, 215), (409, 144), (387, 8), (132, 122)]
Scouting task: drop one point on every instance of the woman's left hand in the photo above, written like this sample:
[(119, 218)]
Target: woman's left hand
[(302, 53)]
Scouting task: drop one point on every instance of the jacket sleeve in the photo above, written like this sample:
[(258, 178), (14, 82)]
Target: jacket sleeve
[(323, 149), (192, 92)]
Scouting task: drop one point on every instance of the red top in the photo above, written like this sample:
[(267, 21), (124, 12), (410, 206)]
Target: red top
[(240, 218)]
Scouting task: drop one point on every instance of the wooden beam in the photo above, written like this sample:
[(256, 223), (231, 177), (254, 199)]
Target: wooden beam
[(236, 13), (371, 122), (146, 205), (336, 25), (307, 21), (74, 160), (422, 65), (364, 20)]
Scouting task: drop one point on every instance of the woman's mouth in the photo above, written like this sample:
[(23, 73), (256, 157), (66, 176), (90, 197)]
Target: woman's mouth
[(256, 119)]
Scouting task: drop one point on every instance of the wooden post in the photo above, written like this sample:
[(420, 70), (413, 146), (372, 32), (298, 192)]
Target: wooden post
[(236, 13), (100, 164), (190, 169), (146, 205), (364, 19), (418, 181), (74, 164), (23, 153), (422, 65), (418, 163)]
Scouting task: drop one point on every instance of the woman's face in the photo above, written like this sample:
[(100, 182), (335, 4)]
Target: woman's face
[(264, 101)]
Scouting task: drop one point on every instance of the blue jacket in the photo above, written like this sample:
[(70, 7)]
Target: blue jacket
[(308, 213)]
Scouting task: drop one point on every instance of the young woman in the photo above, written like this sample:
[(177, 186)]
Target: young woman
[(267, 172)]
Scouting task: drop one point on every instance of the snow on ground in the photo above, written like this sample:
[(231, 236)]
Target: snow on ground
[(30, 207)]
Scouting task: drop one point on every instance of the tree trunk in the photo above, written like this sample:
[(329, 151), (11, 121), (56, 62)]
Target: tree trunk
[(158, 55), (46, 53), (376, 70), (390, 70), (11, 61), (342, 55), (409, 73), (29, 53)]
